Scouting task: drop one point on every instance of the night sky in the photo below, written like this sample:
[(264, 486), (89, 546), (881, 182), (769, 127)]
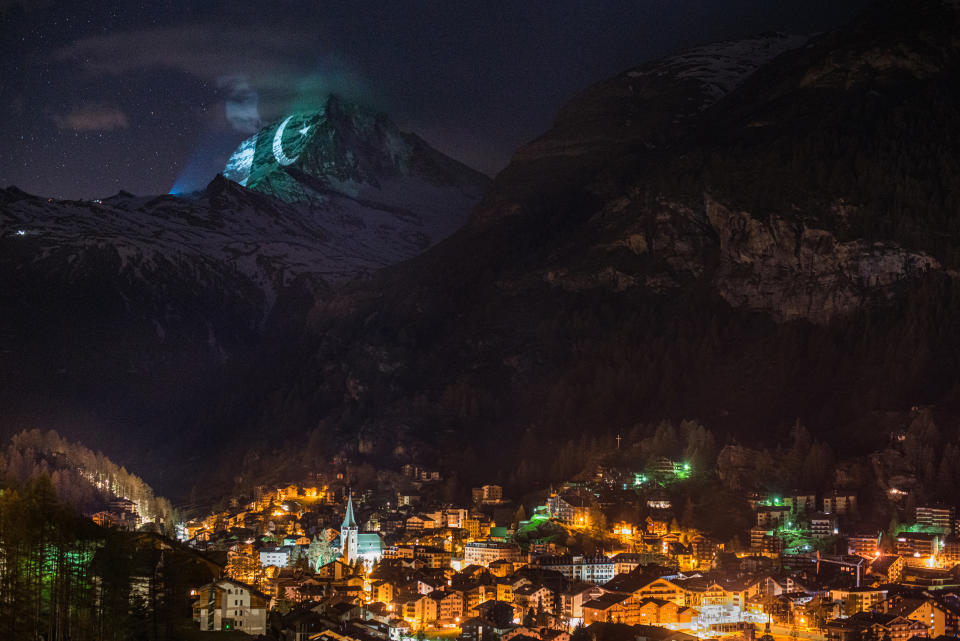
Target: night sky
[(102, 96)]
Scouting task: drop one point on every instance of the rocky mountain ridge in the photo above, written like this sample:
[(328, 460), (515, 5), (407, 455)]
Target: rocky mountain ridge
[(746, 235), (785, 250), (343, 153), (125, 310)]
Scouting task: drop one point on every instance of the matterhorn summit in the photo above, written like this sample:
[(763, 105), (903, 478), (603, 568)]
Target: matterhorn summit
[(346, 158)]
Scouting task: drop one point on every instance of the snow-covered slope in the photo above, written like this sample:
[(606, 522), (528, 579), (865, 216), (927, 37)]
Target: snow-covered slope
[(721, 67), (228, 229), (359, 194), (131, 305), (342, 156), (649, 109)]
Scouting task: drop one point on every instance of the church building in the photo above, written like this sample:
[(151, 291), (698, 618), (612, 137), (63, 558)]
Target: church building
[(355, 545)]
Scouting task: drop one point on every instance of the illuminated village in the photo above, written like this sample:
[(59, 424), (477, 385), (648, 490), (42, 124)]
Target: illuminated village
[(327, 560)]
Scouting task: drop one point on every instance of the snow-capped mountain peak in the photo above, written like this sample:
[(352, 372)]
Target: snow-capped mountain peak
[(344, 153)]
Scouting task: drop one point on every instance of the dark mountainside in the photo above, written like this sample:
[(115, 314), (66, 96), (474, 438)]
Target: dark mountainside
[(690, 240), (122, 316)]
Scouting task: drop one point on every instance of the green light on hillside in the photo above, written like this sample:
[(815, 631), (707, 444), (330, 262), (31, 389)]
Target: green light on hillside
[(682, 470)]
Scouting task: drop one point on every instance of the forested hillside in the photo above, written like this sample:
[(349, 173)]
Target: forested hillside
[(62, 577), (81, 478)]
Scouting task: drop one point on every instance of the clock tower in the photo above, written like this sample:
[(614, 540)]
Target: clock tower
[(348, 535)]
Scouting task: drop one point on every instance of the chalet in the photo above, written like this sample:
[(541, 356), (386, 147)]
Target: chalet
[(930, 579), (449, 606), (432, 557), (538, 598), (476, 595), (925, 609), (421, 612), (523, 633), (661, 588), (571, 508), (420, 522), (626, 562), (887, 568), (657, 633), (857, 600), (572, 598), (299, 588), (878, 625), (382, 591), (230, 605), (493, 617), (501, 568), (301, 624), (704, 550), (632, 610)]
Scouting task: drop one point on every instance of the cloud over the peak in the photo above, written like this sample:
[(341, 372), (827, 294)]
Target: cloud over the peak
[(241, 103), (92, 118), (259, 73)]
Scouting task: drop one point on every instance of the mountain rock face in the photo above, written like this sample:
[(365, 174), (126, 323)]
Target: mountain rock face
[(792, 271), (644, 107), (344, 157), (125, 310), (745, 234), (673, 161)]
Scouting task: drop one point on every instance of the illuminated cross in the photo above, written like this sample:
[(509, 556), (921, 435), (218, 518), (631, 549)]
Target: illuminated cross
[(618, 441), (304, 130)]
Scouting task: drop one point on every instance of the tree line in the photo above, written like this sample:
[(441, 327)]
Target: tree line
[(81, 477), (63, 577)]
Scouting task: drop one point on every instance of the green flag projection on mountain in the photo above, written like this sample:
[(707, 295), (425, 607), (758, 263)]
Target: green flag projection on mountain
[(272, 148)]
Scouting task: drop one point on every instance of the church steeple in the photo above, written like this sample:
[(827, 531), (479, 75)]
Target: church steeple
[(348, 520), (348, 534)]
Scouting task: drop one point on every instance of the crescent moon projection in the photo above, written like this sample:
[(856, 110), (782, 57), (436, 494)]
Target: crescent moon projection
[(281, 157)]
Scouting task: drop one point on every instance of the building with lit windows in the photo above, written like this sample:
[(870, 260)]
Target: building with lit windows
[(230, 605), (856, 600), (950, 552), (486, 552), (592, 569), (936, 516), (917, 545), (488, 495), (571, 508), (822, 526), (279, 557), (839, 502), (874, 625), (866, 545)]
